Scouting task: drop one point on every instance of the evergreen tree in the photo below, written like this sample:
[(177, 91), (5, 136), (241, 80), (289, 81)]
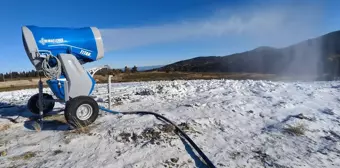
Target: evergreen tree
[(134, 69), (126, 69)]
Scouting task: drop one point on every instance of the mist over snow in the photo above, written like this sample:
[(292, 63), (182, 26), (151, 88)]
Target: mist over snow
[(264, 24)]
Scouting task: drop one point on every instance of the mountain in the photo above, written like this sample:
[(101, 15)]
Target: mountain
[(313, 57), (145, 68)]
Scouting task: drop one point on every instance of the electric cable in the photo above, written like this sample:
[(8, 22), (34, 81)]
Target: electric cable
[(52, 72)]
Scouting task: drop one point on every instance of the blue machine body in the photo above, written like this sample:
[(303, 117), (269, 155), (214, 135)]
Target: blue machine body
[(83, 43), (57, 86)]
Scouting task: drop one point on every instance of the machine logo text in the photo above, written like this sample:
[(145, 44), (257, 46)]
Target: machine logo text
[(85, 53), (52, 41)]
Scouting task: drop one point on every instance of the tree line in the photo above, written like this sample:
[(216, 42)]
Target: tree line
[(106, 71), (19, 75), (14, 75)]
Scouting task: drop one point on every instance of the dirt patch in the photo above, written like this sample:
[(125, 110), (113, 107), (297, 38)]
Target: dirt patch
[(177, 162), (56, 152), (145, 92), (267, 160), (167, 128), (124, 137), (151, 135), (160, 133)]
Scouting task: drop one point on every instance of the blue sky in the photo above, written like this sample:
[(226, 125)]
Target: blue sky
[(163, 32)]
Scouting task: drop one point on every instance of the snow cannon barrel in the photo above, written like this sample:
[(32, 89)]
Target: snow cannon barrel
[(85, 43)]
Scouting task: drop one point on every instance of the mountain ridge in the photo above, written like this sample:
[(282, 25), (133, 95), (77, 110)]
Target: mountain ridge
[(309, 57)]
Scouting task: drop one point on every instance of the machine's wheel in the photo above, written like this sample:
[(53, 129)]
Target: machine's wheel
[(81, 111), (33, 103)]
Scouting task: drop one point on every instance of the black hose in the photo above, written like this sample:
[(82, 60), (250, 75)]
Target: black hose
[(192, 143), (8, 106)]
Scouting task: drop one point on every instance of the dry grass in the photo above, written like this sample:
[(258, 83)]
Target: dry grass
[(4, 127), (3, 142), (12, 88), (26, 81), (3, 153), (80, 128), (297, 130), (24, 156), (58, 117), (36, 126)]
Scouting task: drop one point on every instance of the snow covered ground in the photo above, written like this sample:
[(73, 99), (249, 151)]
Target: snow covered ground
[(236, 123)]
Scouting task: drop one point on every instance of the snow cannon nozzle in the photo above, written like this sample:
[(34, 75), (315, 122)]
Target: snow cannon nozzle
[(85, 43)]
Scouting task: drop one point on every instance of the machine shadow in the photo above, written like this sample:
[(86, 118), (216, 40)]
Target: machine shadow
[(54, 124), (13, 111), (47, 125), (191, 152), (50, 124)]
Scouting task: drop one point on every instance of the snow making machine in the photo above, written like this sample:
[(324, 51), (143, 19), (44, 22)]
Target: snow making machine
[(59, 54)]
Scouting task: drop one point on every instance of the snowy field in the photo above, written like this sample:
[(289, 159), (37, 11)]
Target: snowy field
[(236, 123)]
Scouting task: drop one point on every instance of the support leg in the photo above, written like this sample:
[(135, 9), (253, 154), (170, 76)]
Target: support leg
[(66, 97), (109, 90), (40, 103)]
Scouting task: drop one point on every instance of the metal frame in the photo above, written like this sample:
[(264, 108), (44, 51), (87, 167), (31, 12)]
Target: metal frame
[(93, 71)]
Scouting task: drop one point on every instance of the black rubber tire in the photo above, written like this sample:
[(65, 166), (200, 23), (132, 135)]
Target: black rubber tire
[(32, 104), (71, 110)]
